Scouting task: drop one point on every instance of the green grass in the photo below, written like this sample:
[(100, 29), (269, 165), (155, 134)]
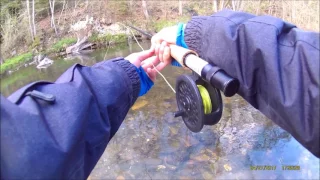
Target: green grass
[(14, 62), (108, 38), (118, 38), (158, 25), (62, 45)]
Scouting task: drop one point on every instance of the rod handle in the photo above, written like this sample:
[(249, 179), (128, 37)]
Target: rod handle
[(179, 54)]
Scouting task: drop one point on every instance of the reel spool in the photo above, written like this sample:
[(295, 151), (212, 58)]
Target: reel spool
[(198, 102)]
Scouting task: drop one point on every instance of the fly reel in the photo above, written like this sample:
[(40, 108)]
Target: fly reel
[(198, 102)]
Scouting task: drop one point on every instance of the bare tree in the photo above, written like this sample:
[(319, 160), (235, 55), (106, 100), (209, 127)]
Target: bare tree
[(259, 7), (33, 19), (63, 7), (236, 5), (130, 4), (75, 5), (87, 4), (30, 23), (145, 10), (215, 5), (180, 7), (221, 4), (51, 4)]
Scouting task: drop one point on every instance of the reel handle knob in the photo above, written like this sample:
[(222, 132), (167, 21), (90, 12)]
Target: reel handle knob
[(179, 113)]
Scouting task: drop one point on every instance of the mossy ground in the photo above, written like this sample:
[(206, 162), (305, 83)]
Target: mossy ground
[(15, 61), (61, 45), (108, 38)]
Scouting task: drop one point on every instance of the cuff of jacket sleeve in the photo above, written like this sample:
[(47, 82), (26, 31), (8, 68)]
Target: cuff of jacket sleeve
[(145, 82), (180, 36), (131, 71), (193, 33), (179, 42)]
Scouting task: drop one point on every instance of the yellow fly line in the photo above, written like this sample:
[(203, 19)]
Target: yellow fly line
[(207, 105)]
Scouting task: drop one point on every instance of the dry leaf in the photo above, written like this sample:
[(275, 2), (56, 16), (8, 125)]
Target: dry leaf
[(202, 157), (227, 167), (139, 104)]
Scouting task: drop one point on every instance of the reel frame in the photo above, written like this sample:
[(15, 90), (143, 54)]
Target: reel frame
[(190, 104)]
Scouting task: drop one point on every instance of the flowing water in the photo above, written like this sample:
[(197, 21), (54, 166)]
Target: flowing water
[(152, 144)]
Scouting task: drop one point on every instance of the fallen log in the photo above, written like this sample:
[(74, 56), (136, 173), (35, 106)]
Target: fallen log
[(81, 44)]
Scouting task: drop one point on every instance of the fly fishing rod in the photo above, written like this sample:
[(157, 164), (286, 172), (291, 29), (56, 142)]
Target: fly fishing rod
[(198, 97)]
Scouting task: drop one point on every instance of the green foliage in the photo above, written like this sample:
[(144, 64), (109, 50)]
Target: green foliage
[(62, 44), (119, 38), (108, 38), (96, 38), (35, 43), (15, 61), (158, 25)]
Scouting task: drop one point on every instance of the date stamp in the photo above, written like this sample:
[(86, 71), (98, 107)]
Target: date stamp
[(273, 168), (263, 168), (290, 168)]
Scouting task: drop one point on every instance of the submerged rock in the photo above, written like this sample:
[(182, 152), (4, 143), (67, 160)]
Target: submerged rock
[(46, 62)]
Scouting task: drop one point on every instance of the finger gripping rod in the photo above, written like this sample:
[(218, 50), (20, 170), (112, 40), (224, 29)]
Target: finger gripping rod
[(217, 77)]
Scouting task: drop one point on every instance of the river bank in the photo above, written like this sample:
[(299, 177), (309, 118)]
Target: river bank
[(115, 35)]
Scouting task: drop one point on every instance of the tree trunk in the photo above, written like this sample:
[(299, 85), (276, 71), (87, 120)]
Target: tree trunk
[(30, 23), (81, 44), (33, 19), (75, 5), (51, 3), (50, 13), (215, 5), (258, 8), (63, 7), (145, 10), (87, 4), (236, 5), (130, 4), (180, 7), (233, 5), (221, 3)]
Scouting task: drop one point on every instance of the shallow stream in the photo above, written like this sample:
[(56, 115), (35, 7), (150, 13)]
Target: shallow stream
[(152, 144)]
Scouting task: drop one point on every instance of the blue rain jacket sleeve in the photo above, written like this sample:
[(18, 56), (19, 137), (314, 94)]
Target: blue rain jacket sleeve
[(276, 63), (64, 139)]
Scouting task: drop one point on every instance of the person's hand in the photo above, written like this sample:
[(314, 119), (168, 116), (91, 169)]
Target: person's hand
[(162, 59), (168, 34), (166, 37), (138, 58)]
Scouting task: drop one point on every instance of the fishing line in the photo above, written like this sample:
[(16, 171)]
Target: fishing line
[(206, 100), (151, 62)]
